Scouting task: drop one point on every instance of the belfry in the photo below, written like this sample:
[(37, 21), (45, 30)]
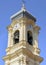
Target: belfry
[(22, 46)]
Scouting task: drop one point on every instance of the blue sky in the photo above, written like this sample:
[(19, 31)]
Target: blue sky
[(37, 8)]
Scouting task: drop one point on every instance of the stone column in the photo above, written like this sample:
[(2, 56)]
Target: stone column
[(10, 40), (23, 33)]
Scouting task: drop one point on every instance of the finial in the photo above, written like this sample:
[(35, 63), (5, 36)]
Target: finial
[(23, 4)]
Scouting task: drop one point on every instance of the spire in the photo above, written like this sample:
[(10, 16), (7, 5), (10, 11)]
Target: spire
[(23, 5)]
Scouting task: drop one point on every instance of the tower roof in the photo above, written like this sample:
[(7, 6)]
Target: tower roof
[(23, 13)]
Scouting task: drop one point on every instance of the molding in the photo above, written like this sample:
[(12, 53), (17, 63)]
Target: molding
[(24, 51)]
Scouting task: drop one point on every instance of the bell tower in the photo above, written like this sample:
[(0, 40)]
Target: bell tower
[(22, 46)]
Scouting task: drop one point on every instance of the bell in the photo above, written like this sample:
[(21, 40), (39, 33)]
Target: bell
[(16, 37)]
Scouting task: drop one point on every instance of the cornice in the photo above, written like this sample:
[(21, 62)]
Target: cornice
[(24, 51)]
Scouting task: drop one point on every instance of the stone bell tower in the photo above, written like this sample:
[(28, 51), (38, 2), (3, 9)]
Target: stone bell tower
[(23, 40)]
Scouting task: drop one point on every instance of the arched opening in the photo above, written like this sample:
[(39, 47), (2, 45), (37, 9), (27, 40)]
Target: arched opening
[(16, 37), (29, 37)]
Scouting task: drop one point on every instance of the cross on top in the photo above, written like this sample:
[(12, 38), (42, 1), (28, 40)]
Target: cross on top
[(23, 4)]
